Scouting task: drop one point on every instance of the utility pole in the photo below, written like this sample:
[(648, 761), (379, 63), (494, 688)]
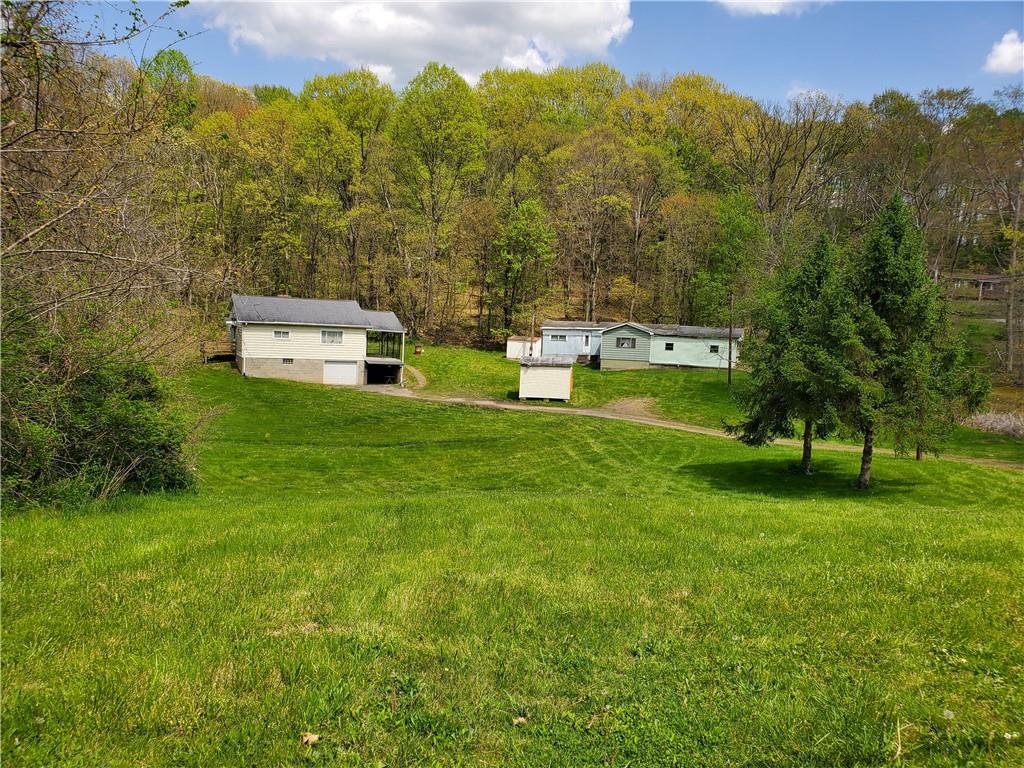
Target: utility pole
[(728, 362)]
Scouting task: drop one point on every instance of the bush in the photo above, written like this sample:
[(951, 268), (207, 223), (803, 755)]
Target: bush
[(84, 419)]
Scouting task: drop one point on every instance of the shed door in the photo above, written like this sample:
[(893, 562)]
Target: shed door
[(340, 372)]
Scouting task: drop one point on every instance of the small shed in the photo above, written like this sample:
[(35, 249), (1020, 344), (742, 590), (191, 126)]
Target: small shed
[(517, 347), (547, 378)]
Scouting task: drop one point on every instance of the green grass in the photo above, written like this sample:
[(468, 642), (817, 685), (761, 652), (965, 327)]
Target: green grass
[(694, 396), (406, 579)]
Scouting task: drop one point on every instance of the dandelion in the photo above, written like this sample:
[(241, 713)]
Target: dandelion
[(1011, 736), (948, 714)]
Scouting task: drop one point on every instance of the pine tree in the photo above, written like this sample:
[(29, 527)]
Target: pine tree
[(912, 380), (799, 359)]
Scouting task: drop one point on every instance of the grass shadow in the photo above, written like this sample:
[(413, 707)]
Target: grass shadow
[(781, 477)]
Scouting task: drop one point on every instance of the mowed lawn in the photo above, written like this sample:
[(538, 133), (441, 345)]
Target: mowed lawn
[(423, 584), (691, 395)]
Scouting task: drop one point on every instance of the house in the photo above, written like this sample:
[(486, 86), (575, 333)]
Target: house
[(579, 338), (548, 377), (314, 340), (522, 346), (645, 345)]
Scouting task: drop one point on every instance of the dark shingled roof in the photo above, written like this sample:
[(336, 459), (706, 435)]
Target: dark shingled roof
[(693, 331), (575, 324), (288, 311)]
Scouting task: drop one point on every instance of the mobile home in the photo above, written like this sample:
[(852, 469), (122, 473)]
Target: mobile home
[(578, 338), (645, 345)]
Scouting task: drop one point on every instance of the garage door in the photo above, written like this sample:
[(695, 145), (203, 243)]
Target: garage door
[(340, 372)]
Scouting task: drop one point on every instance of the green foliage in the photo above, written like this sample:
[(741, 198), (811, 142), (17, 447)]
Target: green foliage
[(83, 419), (358, 98), (170, 75), (267, 94), (799, 355), (524, 252)]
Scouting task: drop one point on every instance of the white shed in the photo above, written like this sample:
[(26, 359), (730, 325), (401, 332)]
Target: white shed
[(517, 347), (547, 378)]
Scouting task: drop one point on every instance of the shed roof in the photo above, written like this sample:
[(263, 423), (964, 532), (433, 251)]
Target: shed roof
[(548, 361), (289, 311)]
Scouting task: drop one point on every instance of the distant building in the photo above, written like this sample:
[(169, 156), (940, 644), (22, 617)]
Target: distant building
[(644, 345), (316, 340), (522, 346), (579, 338)]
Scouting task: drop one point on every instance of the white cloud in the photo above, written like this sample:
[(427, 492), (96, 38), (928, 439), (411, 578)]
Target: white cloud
[(798, 90), (396, 39), (769, 7), (1007, 55)]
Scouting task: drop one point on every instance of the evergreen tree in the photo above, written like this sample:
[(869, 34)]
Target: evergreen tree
[(912, 380), (798, 362)]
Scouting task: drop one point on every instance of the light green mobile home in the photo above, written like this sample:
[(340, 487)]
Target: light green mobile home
[(636, 345)]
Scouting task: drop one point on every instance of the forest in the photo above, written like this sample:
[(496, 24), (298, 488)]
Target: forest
[(138, 197)]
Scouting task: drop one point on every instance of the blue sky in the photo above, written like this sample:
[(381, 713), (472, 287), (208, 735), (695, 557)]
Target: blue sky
[(767, 49)]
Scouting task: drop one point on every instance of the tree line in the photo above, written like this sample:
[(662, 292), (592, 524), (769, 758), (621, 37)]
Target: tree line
[(136, 198)]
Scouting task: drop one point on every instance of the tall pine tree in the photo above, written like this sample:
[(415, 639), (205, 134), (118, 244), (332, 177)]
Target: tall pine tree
[(912, 381), (799, 358)]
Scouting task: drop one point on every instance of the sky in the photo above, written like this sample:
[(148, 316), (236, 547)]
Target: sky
[(767, 49)]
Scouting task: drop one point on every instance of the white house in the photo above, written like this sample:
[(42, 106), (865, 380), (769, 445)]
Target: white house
[(315, 340), (644, 345), (579, 338)]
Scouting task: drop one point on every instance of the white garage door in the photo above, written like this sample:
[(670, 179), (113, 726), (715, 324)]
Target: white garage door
[(340, 372)]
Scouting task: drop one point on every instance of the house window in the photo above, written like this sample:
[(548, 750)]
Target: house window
[(282, 334), (669, 346), (713, 349), (330, 337), (625, 342), (287, 360), (558, 337)]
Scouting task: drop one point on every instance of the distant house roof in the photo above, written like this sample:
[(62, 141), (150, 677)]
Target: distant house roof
[(581, 325), (681, 331), (289, 311), (548, 361)]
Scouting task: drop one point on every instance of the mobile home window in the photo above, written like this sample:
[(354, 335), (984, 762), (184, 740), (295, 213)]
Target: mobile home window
[(625, 342), (282, 334), (330, 337), (669, 346), (558, 337), (287, 360), (713, 349)]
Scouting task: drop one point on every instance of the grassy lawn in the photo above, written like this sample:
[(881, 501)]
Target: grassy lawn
[(692, 395), (424, 584)]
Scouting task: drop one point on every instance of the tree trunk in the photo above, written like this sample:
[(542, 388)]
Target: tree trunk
[(864, 479), (919, 453), (805, 462)]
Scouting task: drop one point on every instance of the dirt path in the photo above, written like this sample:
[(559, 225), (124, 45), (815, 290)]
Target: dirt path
[(420, 380), (635, 411)]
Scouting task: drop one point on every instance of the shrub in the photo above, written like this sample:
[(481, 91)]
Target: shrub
[(84, 418)]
